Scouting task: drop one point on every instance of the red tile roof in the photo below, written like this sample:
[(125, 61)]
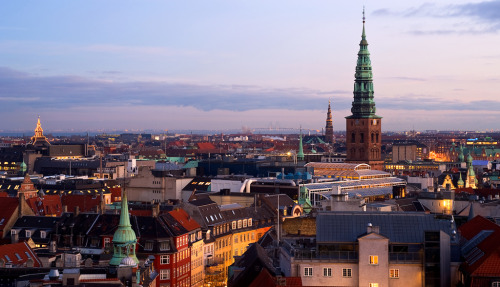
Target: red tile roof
[(85, 202), (8, 207), (18, 254), (183, 218), (487, 265), (205, 146), (48, 205)]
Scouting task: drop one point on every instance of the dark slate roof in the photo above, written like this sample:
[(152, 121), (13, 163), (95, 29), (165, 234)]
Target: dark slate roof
[(406, 227), (253, 260)]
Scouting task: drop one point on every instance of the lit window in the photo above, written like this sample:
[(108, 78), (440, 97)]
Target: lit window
[(373, 284), (308, 271), (165, 259), (233, 225), (249, 222), (164, 245), (327, 272), (346, 272), (373, 260), (244, 223), (394, 273)]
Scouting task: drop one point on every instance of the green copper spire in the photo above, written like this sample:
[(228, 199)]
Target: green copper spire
[(460, 181), (300, 154), (363, 105), (124, 239)]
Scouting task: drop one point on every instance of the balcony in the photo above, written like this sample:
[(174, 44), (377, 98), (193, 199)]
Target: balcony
[(405, 257)]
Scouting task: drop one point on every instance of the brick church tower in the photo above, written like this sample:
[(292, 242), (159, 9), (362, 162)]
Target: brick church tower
[(363, 127)]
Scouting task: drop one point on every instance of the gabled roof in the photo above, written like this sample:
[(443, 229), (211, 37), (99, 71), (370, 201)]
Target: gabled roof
[(8, 206), (253, 261), (18, 254)]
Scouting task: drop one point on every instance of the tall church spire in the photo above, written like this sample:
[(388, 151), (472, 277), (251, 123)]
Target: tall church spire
[(363, 105), (364, 127), (124, 239), (329, 125)]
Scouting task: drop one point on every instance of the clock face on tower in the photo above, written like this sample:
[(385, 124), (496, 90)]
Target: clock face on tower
[(374, 122)]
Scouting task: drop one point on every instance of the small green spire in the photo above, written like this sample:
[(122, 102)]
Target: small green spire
[(460, 181), (300, 154), (124, 239)]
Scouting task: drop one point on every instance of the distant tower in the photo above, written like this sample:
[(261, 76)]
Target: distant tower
[(363, 127), (471, 180), (124, 239), (329, 125), (300, 154), (39, 140)]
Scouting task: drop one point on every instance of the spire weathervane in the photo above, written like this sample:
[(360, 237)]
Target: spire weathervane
[(363, 14)]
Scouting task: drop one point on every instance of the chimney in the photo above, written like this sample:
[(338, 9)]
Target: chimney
[(372, 229), (14, 236), (156, 209)]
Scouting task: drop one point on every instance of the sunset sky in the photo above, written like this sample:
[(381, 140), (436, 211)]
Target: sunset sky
[(115, 64)]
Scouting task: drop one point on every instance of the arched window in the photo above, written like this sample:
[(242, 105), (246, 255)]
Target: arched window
[(373, 138), (361, 137), (353, 137)]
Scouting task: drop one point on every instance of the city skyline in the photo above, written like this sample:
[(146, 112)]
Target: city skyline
[(225, 65)]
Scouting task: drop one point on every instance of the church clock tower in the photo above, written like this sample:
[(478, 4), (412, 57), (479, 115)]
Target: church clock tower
[(363, 127)]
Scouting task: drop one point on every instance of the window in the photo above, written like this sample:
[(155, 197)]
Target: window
[(164, 274), (148, 245), (28, 233), (43, 234), (373, 284), (107, 242), (249, 222), (18, 256), (308, 271), (327, 272), (239, 223), (373, 260), (164, 245), (244, 223), (495, 284), (346, 272), (165, 259), (394, 273)]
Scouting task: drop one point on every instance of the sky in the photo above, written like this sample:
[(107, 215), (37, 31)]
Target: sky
[(171, 65)]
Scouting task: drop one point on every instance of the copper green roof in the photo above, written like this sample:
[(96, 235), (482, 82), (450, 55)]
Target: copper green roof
[(363, 105), (124, 239)]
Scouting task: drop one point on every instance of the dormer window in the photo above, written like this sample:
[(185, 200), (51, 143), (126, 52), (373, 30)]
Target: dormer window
[(43, 234), (249, 222), (28, 233)]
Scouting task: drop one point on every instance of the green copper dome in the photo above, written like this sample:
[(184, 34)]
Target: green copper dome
[(363, 105)]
